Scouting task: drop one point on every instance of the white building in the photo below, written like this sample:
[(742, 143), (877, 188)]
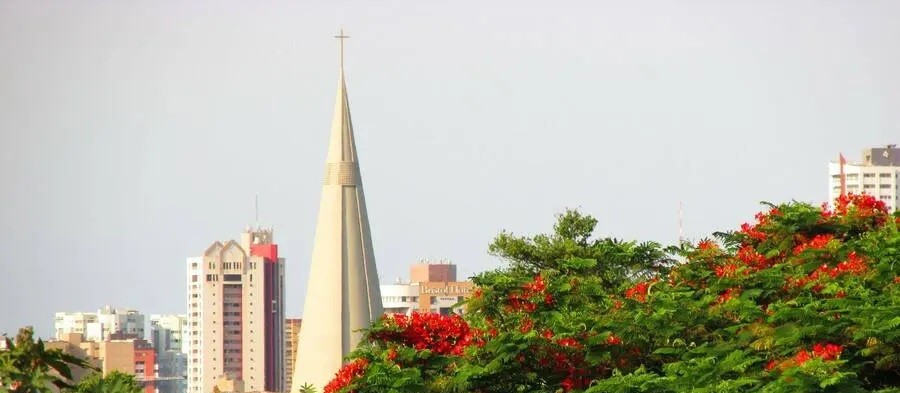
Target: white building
[(73, 322), (100, 325), (432, 288), (878, 174), (236, 314), (400, 298)]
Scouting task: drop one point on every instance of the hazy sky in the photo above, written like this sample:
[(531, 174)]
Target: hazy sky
[(134, 134)]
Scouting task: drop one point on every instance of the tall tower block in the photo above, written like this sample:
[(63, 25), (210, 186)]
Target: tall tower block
[(343, 294)]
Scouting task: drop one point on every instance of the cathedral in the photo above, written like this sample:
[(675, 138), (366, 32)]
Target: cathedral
[(343, 294)]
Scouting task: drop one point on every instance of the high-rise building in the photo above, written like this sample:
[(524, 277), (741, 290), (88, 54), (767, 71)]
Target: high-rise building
[(166, 332), (101, 325), (433, 288), (342, 295), (236, 314), (878, 174), (291, 330)]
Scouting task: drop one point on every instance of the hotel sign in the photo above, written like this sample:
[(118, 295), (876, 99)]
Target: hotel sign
[(463, 288)]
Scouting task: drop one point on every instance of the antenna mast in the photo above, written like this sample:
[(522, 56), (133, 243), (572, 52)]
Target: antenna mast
[(680, 222)]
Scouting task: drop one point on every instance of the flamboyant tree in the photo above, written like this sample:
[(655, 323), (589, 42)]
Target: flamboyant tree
[(803, 299)]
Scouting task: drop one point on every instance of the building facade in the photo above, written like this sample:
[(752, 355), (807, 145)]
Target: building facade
[(101, 325), (291, 330), (236, 314), (127, 355), (878, 174), (433, 288), (166, 332)]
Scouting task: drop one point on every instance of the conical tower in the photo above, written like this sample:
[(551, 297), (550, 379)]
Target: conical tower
[(342, 295)]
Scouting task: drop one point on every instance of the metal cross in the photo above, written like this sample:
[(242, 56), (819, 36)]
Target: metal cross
[(341, 36)]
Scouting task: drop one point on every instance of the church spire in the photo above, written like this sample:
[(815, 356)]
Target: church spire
[(342, 295)]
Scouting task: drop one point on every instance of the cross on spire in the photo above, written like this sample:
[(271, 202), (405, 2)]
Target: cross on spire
[(341, 36)]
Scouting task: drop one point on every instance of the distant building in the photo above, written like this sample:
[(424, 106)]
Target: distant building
[(236, 314), (433, 287), (130, 356), (291, 330), (101, 325), (878, 174), (74, 344), (166, 332)]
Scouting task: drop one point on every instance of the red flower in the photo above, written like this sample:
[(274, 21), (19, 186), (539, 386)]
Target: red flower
[(639, 291), (442, 334), (613, 340), (750, 257), (346, 375), (527, 324), (707, 244), (727, 295), (818, 242), (547, 333), (827, 351), (726, 270), (853, 265), (569, 342)]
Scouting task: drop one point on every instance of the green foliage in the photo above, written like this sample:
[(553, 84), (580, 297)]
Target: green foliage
[(805, 299), (26, 366), (611, 260), (307, 388), (114, 382)]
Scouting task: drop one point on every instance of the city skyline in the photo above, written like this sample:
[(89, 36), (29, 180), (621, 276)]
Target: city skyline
[(472, 125)]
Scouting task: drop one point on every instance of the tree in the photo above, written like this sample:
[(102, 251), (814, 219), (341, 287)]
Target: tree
[(26, 366), (805, 299), (619, 261), (114, 382)]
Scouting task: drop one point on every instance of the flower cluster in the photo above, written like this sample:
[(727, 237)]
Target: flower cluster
[(854, 264), (857, 205), (726, 270), (639, 292), (818, 242), (754, 231), (346, 375), (752, 258), (824, 351), (441, 334), (532, 293), (729, 294)]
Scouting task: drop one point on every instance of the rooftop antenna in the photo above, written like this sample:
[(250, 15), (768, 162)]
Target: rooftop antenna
[(256, 210), (680, 222)]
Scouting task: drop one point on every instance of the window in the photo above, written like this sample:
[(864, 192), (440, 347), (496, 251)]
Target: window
[(884, 175), (884, 186), (868, 175)]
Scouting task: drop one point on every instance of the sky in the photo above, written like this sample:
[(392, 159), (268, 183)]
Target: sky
[(134, 134)]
